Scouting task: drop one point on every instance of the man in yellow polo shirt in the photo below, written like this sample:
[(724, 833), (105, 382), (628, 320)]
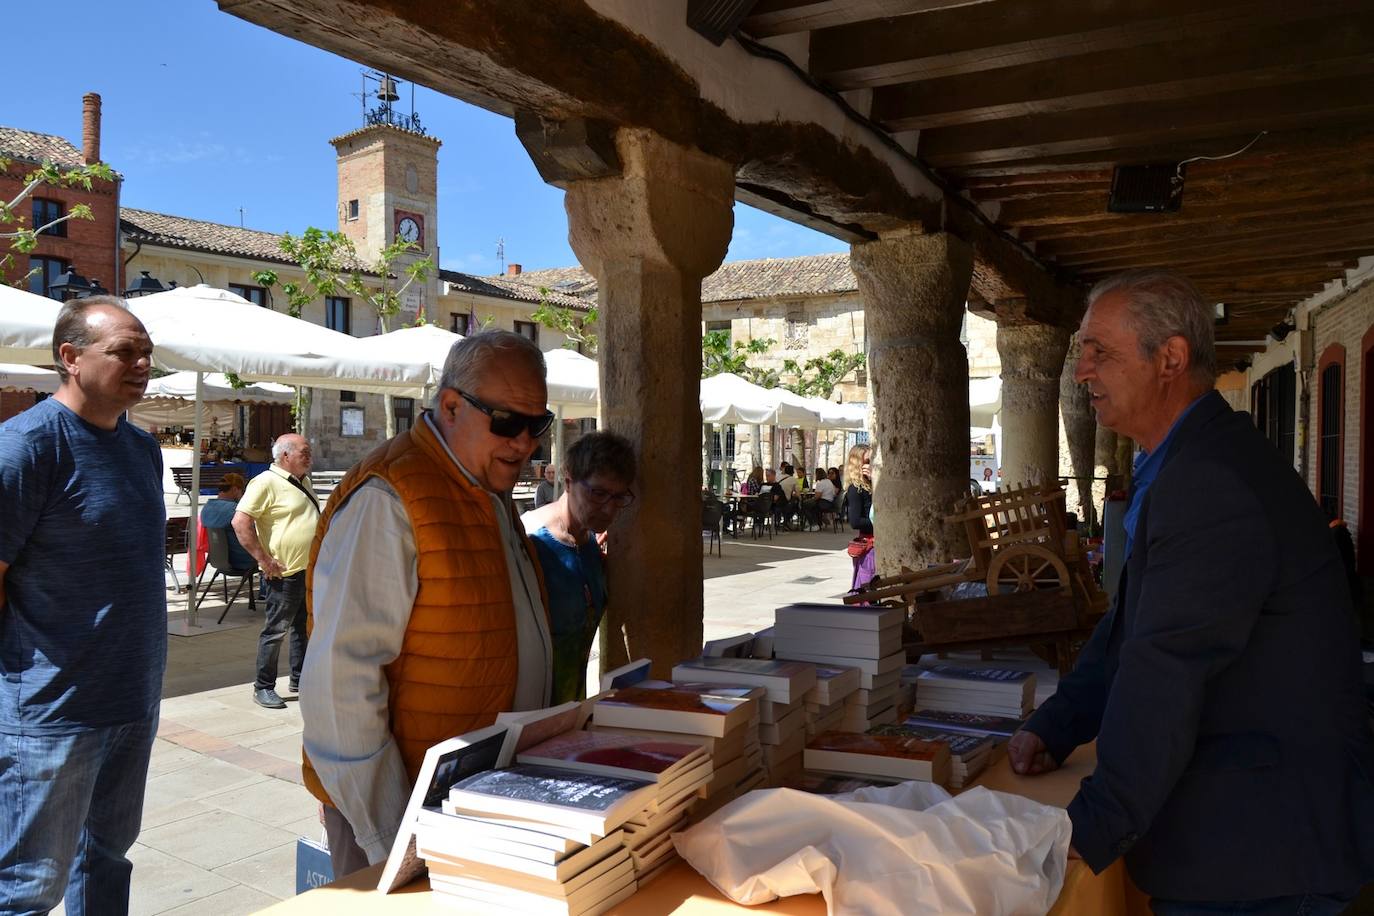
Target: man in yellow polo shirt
[(275, 522)]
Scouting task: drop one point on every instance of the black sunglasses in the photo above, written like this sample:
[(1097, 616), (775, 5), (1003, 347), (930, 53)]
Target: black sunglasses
[(507, 423)]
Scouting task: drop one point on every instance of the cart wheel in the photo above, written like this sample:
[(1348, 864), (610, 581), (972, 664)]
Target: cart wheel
[(1024, 568)]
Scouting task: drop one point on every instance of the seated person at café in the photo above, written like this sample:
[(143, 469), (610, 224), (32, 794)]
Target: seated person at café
[(825, 487), (597, 475), (754, 482), (219, 513), (546, 492)]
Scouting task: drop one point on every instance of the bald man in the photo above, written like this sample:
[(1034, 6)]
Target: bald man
[(83, 620), (275, 522)]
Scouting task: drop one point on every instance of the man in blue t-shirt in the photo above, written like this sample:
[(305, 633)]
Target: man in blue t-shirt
[(83, 620), (219, 513)]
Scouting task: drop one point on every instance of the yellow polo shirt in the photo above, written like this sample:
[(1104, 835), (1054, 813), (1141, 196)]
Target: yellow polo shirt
[(284, 515)]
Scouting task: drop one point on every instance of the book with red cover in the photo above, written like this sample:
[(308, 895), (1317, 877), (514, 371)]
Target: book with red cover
[(673, 711), (879, 755), (615, 755)]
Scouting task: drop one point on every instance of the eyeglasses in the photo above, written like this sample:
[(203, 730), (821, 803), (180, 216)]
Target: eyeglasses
[(601, 497), (507, 423)]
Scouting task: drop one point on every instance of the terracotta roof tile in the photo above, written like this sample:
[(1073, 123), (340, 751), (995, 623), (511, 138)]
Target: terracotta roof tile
[(198, 235), (36, 147), (765, 278), (509, 288)]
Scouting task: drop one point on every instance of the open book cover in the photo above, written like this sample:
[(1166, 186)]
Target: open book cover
[(445, 765), (530, 727)]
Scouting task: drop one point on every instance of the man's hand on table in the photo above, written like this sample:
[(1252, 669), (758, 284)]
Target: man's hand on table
[(1028, 754)]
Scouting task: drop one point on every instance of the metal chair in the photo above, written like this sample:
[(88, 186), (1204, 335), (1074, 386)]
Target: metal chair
[(840, 519), (219, 559), (712, 513), (761, 514), (175, 543)]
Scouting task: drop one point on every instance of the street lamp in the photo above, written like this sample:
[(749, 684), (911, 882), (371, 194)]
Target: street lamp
[(96, 289), (71, 285), (145, 285)]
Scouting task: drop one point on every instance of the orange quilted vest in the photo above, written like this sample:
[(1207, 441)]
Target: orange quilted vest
[(458, 662)]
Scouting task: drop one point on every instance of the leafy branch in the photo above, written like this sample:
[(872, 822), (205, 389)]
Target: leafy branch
[(575, 326), (24, 239)]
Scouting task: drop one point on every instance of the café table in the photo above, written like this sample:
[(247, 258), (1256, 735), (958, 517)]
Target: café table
[(681, 891)]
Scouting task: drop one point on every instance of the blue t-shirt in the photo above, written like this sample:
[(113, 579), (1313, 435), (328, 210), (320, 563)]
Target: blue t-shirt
[(576, 582), (1143, 473), (83, 632), (219, 513)]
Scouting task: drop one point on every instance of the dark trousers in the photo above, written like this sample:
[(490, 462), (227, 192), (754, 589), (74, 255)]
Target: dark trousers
[(344, 852), (285, 609), (1297, 905)]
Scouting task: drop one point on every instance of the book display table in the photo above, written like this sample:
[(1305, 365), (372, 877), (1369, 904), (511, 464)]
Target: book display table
[(683, 892)]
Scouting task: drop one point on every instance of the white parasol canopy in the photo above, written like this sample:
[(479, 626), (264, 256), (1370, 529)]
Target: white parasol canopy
[(26, 323), (984, 400), (727, 398), (216, 387), (210, 330), (573, 384), (28, 378)]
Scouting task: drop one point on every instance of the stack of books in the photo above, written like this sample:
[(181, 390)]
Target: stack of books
[(679, 770), (825, 703), (998, 728), (763, 644), (969, 755), (535, 839), (782, 711), (720, 719), (837, 635), (898, 757), (740, 645), (981, 691)]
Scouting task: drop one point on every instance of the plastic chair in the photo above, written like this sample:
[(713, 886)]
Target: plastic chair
[(219, 559), (711, 514)]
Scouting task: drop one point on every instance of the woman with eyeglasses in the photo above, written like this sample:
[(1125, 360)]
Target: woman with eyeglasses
[(597, 475)]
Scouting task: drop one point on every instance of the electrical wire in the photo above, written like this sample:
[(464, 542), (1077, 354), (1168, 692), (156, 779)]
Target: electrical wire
[(1178, 175)]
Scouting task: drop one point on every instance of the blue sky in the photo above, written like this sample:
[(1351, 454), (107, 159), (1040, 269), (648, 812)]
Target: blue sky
[(205, 113)]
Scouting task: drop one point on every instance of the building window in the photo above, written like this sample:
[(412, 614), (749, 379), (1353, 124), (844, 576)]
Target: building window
[(46, 272), (1274, 405), (347, 397), (46, 211), (1330, 429), (337, 314), (528, 329), (254, 294), (403, 413), (796, 334), (353, 209)]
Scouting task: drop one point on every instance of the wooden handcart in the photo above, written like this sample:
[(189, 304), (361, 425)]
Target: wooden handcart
[(1039, 589)]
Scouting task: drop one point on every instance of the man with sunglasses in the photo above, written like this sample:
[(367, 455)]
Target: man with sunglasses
[(597, 475), (428, 613)]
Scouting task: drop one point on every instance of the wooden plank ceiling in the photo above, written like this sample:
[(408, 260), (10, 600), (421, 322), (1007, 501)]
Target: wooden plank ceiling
[(1026, 106)]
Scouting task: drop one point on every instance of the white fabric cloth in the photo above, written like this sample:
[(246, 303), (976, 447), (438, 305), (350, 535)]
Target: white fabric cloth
[(369, 594), (904, 850)]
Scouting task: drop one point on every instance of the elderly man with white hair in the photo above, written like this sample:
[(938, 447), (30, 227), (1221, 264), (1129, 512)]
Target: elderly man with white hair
[(275, 522)]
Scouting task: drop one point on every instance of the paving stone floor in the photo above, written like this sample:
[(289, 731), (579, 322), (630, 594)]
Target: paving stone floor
[(224, 801)]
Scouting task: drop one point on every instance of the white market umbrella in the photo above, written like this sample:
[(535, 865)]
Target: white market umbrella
[(28, 378), (839, 416), (216, 387), (210, 330), (984, 400), (427, 343), (26, 325), (573, 384), (727, 398)]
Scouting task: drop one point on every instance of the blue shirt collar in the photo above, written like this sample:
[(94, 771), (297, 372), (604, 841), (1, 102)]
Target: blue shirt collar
[(1146, 469)]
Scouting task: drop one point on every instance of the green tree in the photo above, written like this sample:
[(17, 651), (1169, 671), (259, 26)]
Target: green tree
[(719, 355), (332, 267), (818, 376), (576, 326), (24, 239)]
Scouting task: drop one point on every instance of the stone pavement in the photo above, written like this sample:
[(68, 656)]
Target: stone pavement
[(224, 801)]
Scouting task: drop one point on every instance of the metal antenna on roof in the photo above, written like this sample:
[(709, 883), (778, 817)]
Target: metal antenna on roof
[(240, 217), (501, 253)]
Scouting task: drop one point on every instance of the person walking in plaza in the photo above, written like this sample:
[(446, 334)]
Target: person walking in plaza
[(83, 620), (597, 475), (1235, 761), (428, 612), (275, 522)]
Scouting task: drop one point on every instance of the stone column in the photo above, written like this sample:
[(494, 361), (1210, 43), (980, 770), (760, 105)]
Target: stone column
[(649, 235), (1106, 467), (1032, 359), (1080, 434), (914, 288)]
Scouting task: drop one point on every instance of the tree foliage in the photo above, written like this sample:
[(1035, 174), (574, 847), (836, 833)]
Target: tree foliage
[(24, 239), (719, 355), (574, 325), (818, 376)]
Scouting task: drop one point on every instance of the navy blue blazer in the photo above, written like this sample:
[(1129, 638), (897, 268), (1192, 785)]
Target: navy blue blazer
[(1235, 755)]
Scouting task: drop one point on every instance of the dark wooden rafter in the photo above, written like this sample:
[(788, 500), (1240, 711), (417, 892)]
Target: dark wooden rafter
[(770, 18)]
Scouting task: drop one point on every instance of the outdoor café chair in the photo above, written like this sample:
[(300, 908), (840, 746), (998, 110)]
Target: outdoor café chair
[(219, 559)]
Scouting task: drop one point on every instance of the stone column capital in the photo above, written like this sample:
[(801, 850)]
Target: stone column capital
[(1032, 351), (671, 207)]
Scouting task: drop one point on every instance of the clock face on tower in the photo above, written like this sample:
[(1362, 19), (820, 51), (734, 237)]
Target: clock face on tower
[(410, 227)]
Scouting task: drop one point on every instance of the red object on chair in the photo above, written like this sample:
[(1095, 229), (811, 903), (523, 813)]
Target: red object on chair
[(202, 553)]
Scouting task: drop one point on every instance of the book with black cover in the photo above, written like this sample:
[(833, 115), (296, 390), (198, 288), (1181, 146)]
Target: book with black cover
[(446, 764), (598, 803), (997, 726)]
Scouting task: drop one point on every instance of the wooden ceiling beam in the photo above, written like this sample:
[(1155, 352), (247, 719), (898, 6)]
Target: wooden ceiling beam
[(1270, 55), (1304, 104), (1299, 209), (998, 35), (770, 18), (1181, 252), (1317, 259), (1228, 231)]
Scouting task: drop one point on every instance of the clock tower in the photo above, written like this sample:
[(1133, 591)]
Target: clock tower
[(388, 190)]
